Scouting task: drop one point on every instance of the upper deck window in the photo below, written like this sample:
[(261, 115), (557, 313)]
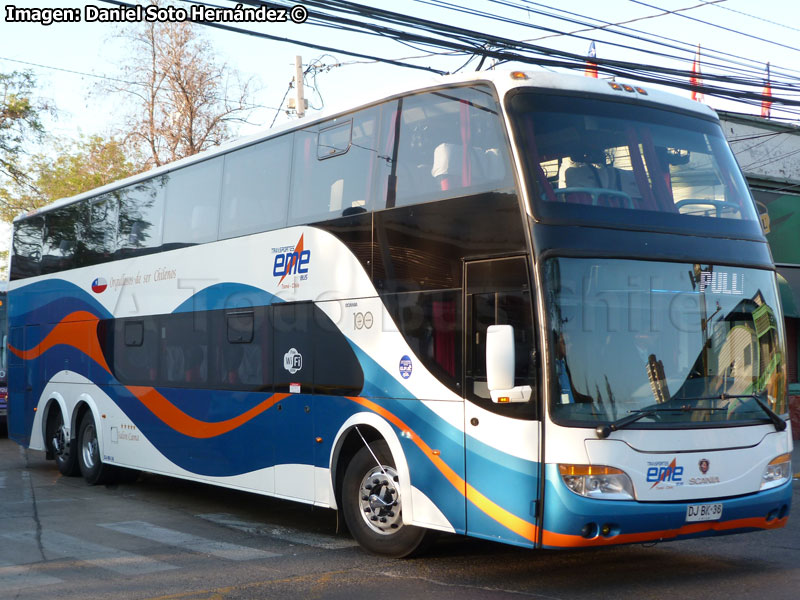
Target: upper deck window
[(601, 161), (442, 145)]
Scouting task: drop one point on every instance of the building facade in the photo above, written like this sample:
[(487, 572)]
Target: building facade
[(769, 154)]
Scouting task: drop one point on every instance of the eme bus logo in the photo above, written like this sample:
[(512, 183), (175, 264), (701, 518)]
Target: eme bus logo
[(291, 261), (664, 473)]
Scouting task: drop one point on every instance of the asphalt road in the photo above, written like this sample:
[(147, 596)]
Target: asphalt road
[(165, 538)]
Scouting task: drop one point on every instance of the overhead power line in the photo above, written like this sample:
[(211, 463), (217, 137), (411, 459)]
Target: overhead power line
[(445, 38)]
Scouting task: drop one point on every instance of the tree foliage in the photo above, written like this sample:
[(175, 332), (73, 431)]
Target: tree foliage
[(183, 100), (20, 123), (80, 166)]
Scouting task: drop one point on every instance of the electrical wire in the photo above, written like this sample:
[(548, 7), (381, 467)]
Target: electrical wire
[(417, 31)]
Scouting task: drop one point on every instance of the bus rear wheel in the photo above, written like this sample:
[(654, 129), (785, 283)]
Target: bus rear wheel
[(91, 464), (63, 449), (372, 505)]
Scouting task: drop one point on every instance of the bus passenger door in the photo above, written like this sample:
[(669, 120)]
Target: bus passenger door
[(501, 440)]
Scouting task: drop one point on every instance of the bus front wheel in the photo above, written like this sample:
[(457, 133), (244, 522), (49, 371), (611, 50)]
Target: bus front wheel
[(372, 505)]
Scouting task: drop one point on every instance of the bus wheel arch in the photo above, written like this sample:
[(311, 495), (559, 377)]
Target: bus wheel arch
[(348, 441), (60, 442), (370, 475)]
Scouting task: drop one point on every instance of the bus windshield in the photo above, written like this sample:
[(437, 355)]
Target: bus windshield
[(585, 156), (697, 343)]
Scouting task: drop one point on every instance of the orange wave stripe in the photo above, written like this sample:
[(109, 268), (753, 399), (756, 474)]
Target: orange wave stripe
[(78, 326), (507, 519), (178, 420), (79, 330), (561, 540)]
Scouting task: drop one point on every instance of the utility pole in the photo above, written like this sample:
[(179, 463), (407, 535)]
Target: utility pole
[(298, 86)]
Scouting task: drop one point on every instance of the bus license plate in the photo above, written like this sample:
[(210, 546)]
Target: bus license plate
[(703, 512)]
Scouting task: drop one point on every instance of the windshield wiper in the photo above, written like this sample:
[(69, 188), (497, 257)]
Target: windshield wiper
[(776, 419), (603, 431)]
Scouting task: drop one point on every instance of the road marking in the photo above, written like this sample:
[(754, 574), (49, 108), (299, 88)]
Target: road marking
[(13, 577), (59, 544), (295, 536), (171, 537)]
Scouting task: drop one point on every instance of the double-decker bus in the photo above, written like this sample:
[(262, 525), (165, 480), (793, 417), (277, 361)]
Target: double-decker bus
[(526, 307)]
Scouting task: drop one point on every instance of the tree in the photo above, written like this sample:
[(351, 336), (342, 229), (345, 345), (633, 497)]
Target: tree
[(79, 166), (180, 92), (19, 123)]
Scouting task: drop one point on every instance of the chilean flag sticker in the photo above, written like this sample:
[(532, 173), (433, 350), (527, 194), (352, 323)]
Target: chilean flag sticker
[(99, 285)]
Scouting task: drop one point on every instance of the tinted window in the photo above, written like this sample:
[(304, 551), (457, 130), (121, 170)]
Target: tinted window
[(184, 349), (192, 210), (593, 160), (240, 327), (498, 293), (135, 350), (329, 177), (99, 237), (241, 356), (256, 188), (27, 248), (446, 144), (141, 208), (134, 333), (431, 323), (337, 371), (60, 238)]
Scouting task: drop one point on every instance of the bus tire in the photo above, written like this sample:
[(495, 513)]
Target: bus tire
[(89, 459), (63, 449), (372, 505)]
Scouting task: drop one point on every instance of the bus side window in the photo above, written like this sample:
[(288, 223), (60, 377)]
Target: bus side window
[(333, 166), (61, 232), (450, 143), (27, 248), (192, 207), (135, 354), (184, 348), (99, 235), (256, 188), (141, 208), (241, 352)]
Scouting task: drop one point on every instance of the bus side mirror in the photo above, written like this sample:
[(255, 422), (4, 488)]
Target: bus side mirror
[(500, 361)]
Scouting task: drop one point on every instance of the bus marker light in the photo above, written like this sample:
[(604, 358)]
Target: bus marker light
[(319, 440), (503, 399), (642, 91), (518, 75), (627, 88), (615, 86), (436, 452)]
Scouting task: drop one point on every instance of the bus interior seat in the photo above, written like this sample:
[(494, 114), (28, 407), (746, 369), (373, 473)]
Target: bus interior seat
[(449, 162)]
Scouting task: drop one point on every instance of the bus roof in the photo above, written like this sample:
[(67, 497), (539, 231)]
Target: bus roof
[(503, 80)]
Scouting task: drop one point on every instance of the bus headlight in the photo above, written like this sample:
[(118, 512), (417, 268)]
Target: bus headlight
[(602, 483), (778, 471)]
